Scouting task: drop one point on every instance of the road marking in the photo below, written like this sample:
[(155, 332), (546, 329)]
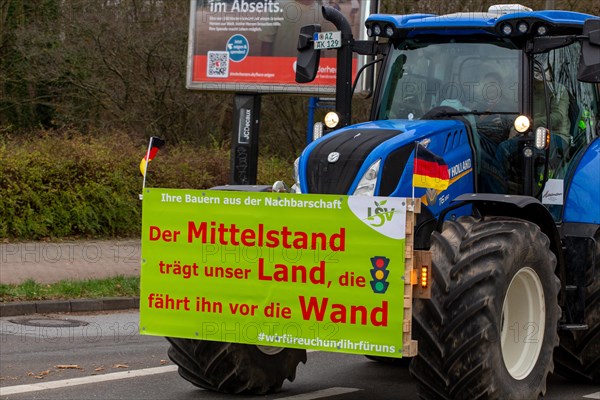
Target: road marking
[(334, 391), (36, 387), (593, 396)]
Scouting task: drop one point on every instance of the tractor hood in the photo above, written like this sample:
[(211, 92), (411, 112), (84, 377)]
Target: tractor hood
[(335, 163)]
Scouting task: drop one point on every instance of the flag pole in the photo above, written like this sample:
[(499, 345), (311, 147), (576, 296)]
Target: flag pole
[(414, 170), (146, 168)]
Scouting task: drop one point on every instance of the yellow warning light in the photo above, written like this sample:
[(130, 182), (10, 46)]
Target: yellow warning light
[(424, 276)]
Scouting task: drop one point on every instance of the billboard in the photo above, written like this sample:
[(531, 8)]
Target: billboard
[(250, 45)]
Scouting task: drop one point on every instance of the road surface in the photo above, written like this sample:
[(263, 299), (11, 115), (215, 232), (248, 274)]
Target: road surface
[(102, 356)]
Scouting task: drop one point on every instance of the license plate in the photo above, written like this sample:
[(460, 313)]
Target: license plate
[(327, 40)]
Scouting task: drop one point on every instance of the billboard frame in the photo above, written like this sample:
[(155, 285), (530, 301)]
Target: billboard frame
[(367, 7)]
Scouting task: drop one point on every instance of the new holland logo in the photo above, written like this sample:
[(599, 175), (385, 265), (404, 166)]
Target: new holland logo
[(333, 157), (431, 195)]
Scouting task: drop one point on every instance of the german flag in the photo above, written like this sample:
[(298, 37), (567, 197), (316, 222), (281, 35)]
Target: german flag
[(430, 171), (156, 144)]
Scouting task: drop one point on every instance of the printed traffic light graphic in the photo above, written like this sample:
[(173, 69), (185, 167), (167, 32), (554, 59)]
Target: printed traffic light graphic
[(379, 274)]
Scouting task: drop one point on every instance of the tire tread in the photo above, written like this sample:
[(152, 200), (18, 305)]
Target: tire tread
[(456, 326), (231, 367)]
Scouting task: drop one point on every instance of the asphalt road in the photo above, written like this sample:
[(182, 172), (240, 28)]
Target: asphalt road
[(108, 359)]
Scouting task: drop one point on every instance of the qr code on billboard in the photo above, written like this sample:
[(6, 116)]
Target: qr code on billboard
[(218, 64)]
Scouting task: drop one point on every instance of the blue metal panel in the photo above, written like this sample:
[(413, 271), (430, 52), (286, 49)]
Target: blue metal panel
[(420, 21), (460, 164), (554, 17), (398, 20), (582, 200), (476, 20), (412, 131), (458, 157)]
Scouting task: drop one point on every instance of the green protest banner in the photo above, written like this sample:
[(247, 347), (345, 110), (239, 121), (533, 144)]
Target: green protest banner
[(322, 272)]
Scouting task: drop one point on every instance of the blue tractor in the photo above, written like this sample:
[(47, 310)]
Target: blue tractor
[(509, 99)]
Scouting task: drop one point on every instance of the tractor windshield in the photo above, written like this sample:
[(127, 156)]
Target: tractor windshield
[(475, 77), (477, 81), (471, 77)]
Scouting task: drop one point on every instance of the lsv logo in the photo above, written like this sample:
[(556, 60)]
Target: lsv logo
[(380, 214), (386, 215)]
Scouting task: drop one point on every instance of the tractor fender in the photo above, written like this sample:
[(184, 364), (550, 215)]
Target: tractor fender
[(582, 196), (522, 207)]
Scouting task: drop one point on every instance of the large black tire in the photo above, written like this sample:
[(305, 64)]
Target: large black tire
[(232, 367), (473, 344), (578, 356)]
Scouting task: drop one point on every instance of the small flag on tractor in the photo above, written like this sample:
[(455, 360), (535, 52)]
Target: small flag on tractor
[(430, 171), (156, 144)]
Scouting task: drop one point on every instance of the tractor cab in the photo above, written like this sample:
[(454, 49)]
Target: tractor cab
[(502, 91), (521, 82)]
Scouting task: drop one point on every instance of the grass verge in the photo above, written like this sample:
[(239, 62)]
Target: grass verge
[(29, 290)]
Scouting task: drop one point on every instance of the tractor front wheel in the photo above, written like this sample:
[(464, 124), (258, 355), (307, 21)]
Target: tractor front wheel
[(490, 327)]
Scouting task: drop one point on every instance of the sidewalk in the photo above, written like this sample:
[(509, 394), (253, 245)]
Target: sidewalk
[(48, 262)]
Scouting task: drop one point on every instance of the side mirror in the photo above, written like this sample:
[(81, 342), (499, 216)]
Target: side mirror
[(589, 62), (307, 64)]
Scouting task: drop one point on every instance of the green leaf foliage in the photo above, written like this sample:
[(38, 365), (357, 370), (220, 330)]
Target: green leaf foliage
[(68, 184)]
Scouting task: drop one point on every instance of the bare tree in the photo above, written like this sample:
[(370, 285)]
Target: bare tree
[(120, 64)]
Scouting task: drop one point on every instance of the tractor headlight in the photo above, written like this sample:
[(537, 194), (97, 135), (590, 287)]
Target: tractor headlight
[(389, 31), (332, 119), (377, 30), (522, 27), (366, 185), (542, 30), (507, 29), (318, 130), (542, 138), (522, 123)]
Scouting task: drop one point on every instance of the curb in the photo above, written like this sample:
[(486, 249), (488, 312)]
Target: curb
[(65, 306)]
